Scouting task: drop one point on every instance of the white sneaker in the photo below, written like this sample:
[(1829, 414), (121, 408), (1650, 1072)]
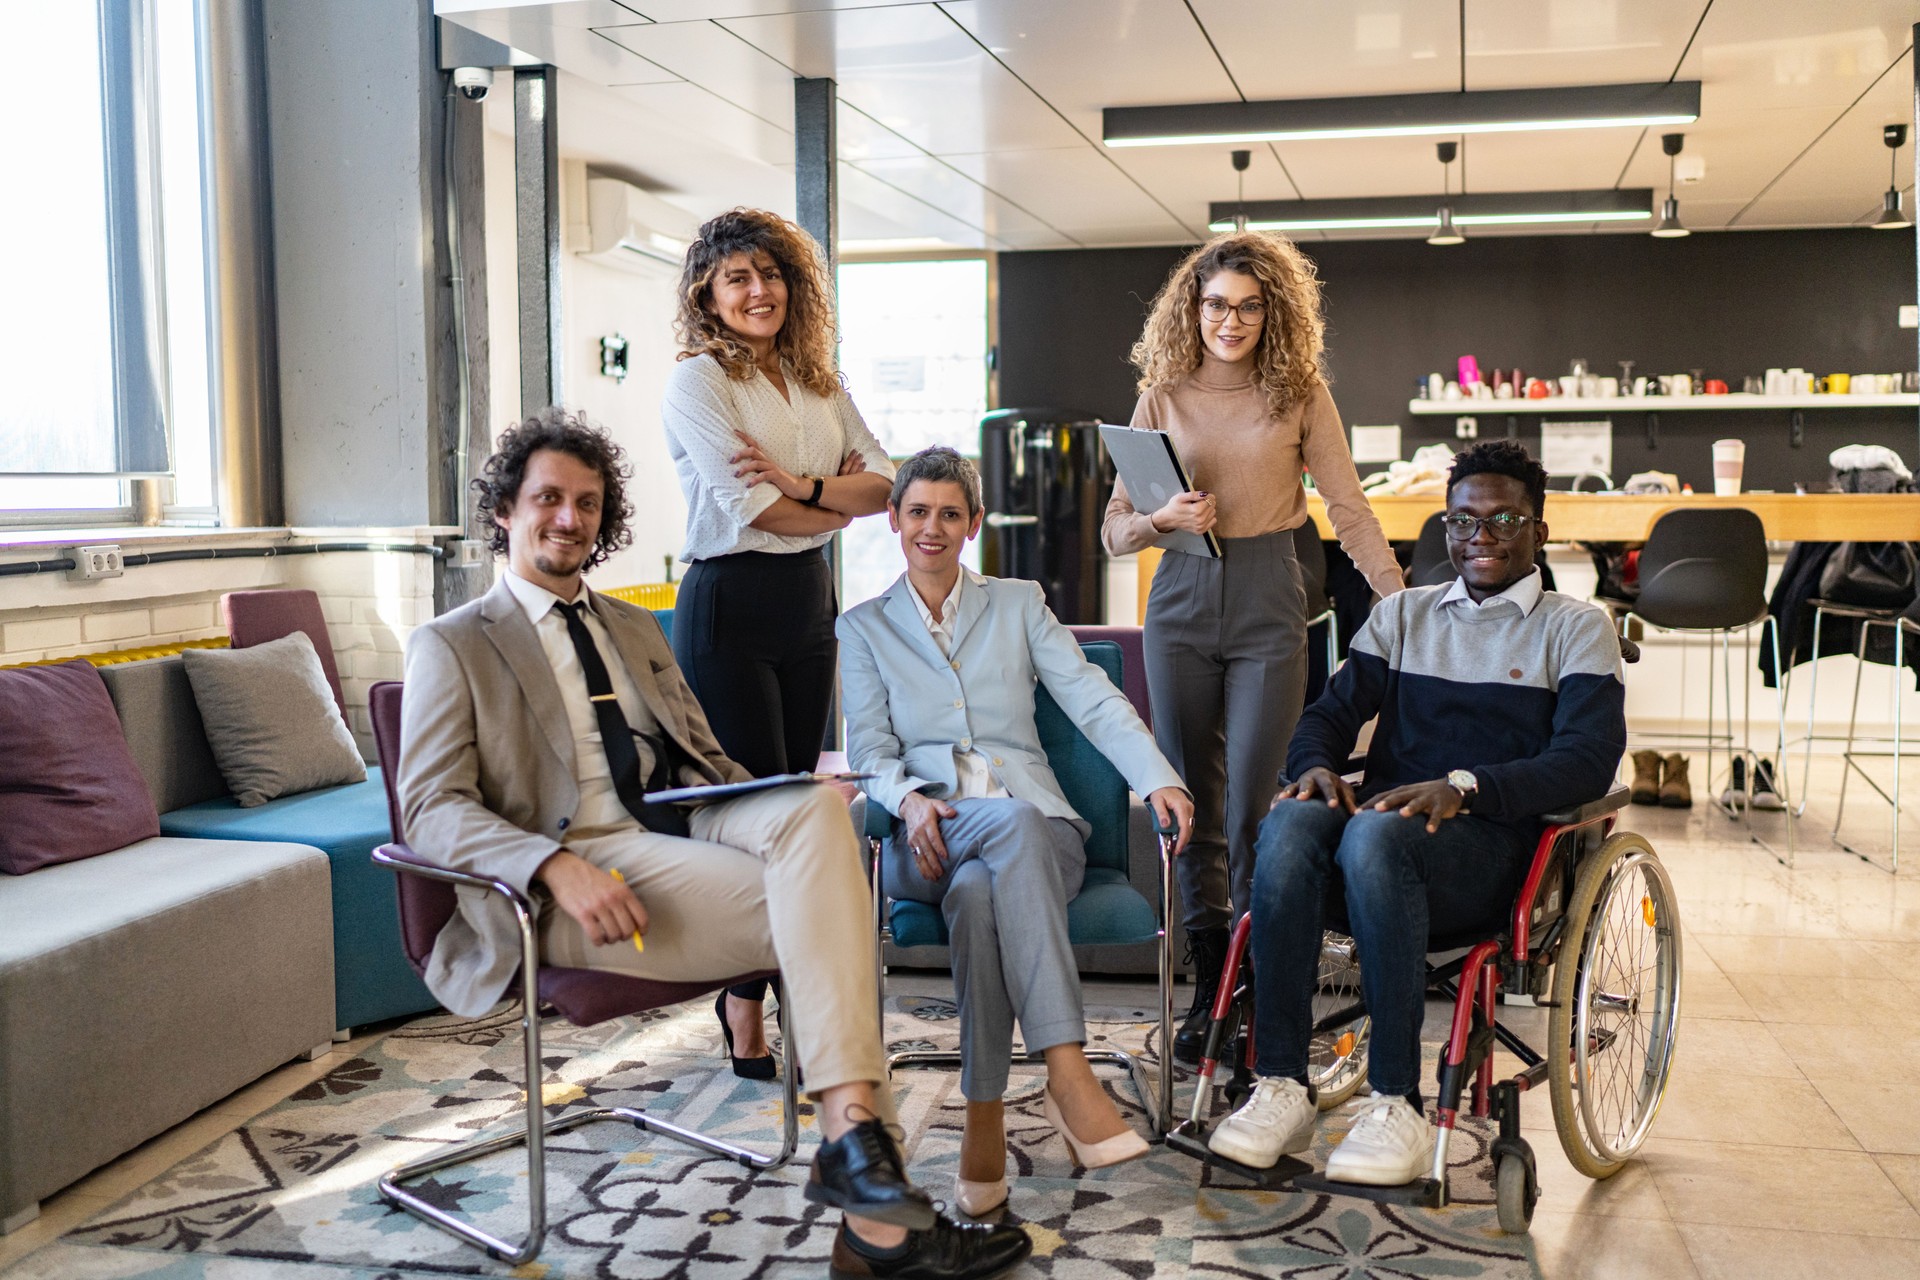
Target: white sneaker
[(1389, 1145), (1276, 1120)]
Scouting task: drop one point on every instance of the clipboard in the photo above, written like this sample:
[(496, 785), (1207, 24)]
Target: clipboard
[(727, 790), (1152, 471)]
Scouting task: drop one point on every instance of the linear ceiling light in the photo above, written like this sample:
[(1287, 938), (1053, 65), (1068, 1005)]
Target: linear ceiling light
[(1593, 106), (1503, 208)]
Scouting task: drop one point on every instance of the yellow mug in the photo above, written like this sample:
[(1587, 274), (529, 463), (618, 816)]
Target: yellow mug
[(1837, 383)]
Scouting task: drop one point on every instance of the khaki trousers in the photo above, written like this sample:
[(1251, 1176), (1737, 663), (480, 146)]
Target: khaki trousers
[(769, 880)]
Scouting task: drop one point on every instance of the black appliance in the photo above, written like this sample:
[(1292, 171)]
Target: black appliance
[(1046, 480)]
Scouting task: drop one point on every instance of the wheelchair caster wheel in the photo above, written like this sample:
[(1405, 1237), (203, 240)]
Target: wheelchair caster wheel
[(1514, 1192)]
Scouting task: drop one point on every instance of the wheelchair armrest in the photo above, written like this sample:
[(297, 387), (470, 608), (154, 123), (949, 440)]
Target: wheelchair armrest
[(879, 823), (405, 861), (1611, 802)]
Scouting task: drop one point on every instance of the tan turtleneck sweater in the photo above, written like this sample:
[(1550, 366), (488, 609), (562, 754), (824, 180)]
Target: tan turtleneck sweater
[(1251, 462)]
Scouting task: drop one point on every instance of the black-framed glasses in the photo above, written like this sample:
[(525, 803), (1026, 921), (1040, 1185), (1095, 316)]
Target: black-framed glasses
[(1252, 311), (1504, 525)]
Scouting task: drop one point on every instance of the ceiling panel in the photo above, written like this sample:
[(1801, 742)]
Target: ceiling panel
[(916, 72), (1580, 159), (1130, 52), (861, 137), (1753, 54), (946, 188), (575, 49), (719, 62), (704, 10), (1071, 187), (1522, 44), (1846, 169), (1331, 50), (525, 14), (694, 110), (871, 210)]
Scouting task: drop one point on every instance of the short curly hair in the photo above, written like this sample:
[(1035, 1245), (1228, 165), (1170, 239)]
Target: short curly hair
[(570, 433), (806, 340), (1502, 458), (1288, 363)]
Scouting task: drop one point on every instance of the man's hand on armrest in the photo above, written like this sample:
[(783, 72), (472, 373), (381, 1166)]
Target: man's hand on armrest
[(606, 909), (1319, 784), (1174, 808)]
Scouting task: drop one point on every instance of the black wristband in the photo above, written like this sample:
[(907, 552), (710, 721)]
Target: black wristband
[(813, 499)]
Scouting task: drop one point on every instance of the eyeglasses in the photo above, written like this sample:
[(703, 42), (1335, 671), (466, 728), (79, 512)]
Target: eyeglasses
[(1505, 526), (1252, 311)]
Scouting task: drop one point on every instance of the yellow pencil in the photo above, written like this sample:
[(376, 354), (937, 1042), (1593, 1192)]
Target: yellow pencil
[(637, 944)]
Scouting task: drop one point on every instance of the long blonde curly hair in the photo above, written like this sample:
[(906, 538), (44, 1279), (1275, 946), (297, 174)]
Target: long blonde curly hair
[(806, 340), (1288, 363)]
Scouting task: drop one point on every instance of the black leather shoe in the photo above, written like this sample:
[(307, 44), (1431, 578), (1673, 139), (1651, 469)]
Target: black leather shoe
[(948, 1250), (860, 1173), (1208, 950), (745, 1068)]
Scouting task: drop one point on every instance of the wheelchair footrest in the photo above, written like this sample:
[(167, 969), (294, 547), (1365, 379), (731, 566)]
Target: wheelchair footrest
[(1191, 1142), (1424, 1193)]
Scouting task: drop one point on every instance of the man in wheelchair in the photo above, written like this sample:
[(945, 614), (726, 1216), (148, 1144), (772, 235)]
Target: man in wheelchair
[(1498, 701)]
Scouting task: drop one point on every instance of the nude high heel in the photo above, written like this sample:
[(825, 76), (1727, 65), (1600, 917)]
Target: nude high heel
[(1118, 1149), (977, 1199)]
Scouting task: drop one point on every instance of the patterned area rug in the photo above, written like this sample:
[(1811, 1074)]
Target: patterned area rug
[(291, 1193)]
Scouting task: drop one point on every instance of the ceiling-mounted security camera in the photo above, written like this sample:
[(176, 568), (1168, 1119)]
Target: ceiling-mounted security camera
[(473, 82)]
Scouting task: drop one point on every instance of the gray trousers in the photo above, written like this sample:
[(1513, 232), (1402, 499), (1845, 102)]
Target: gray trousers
[(1010, 873), (1227, 672)]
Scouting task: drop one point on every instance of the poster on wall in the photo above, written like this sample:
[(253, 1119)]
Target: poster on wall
[(1569, 448)]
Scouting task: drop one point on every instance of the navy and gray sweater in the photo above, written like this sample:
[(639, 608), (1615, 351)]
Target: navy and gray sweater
[(1531, 703)]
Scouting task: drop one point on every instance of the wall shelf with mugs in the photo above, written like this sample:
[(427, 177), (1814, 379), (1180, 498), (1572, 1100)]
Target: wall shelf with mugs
[(1656, 404)]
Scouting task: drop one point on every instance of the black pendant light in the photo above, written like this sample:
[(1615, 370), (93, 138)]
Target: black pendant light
[(1892, 216), (1669, 227), (1241, 159), (1444, 232)]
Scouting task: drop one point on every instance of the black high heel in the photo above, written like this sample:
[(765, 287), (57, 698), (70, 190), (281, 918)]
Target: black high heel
[(745, 1068)]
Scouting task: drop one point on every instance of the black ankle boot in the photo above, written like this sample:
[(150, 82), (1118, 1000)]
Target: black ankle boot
[(1208, 950)]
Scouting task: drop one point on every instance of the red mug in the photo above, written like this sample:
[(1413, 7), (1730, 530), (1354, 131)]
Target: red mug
[(1536, 389), (1715, 387)]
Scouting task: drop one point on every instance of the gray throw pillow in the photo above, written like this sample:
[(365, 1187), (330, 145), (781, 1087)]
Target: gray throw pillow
[(271, 719)]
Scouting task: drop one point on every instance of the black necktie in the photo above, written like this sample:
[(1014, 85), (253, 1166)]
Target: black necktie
[(616, 735)]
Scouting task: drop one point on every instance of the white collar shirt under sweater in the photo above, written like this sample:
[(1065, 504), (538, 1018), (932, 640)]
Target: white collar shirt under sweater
[(600, 805), (807, 434), (973, 776), (1524, 594)]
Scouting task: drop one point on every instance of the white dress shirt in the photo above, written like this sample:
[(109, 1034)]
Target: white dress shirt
[(599, 803), (1523, 595), (806, 434), (974, 777)]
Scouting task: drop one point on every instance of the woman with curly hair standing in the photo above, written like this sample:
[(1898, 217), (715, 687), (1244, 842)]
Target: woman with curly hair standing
[(1231, 367), (774, 460)]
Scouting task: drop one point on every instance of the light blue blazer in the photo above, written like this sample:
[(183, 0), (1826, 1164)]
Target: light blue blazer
[(908, 706)]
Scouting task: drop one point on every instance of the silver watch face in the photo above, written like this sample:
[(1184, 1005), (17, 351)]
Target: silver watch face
[(1463, 782)]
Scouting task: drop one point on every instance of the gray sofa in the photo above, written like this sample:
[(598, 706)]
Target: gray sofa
[(141, 986)]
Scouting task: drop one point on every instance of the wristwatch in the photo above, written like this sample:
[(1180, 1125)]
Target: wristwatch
[(1464, 782), (813, 499)]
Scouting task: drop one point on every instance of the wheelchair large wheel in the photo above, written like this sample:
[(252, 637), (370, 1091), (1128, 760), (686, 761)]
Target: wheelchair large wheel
[(1616, 1005), (1337, 1058)]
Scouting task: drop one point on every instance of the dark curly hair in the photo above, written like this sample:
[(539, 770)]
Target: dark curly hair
[(1502, 458), (569, 433), (806, 340)]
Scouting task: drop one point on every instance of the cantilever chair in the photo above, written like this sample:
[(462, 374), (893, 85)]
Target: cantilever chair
[(1311, 552), (581, 996), (1107, 910)]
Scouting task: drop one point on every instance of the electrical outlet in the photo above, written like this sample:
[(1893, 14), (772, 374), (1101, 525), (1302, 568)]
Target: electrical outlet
[(91, 563), (469, 553), (1466, 428), (1909, 316)]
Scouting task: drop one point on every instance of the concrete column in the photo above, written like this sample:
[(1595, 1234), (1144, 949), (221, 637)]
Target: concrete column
[(536, 167)]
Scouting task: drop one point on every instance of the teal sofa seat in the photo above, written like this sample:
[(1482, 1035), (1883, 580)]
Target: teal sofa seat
[(372, 980)]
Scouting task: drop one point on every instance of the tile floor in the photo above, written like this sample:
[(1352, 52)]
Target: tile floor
[(1789, 1143)]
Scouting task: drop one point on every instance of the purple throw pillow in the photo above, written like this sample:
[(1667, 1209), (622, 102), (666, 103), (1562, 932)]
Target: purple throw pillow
[(69, 788)]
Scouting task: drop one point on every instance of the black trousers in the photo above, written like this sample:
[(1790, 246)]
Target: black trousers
[(753, 634)]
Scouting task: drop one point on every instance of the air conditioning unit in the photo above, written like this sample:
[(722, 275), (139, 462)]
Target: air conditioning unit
[(634, 229)]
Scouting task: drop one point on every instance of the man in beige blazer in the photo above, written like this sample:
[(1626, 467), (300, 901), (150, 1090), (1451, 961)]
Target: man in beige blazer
[(505, 772)]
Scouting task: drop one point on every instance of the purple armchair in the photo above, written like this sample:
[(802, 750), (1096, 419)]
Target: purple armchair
[(582, 996)]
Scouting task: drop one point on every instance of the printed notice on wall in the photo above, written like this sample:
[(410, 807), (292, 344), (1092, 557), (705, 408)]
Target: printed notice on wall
[(1568, 448), (900, 373), (1376, 444)]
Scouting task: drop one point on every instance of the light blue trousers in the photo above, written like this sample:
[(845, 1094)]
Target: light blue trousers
[(1010, 873)]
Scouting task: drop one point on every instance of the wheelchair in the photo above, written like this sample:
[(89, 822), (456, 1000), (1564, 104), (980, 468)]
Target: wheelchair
[(1594, 937)]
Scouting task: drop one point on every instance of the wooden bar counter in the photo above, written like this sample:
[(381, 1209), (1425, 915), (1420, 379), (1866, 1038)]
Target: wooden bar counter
[(1618, 517)]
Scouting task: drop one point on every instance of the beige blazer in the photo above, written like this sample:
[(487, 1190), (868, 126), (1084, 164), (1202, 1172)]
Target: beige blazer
[(486, 775)]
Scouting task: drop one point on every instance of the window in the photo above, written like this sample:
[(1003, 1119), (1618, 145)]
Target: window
[(913, 348), (103, 345)]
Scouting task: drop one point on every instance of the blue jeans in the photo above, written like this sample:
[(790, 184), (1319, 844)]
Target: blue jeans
[(1401, 885)]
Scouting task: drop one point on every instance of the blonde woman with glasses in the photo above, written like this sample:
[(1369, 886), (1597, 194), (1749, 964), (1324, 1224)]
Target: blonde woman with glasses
[(1231, 367)]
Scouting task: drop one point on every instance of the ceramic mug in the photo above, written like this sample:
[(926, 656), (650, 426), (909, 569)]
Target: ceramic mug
[(1682, 385), (1838, 383), (1715, 387)]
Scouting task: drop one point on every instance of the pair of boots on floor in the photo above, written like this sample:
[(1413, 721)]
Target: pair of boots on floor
[(1662, 780)]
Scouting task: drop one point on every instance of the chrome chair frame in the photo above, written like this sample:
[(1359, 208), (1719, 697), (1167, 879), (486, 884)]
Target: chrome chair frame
[(1154, 1089), (534, 1130), (1868, 618)]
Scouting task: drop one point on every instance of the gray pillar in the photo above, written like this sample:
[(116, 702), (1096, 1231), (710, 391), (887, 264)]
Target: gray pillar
[(536, 170), (246, 355), (816, 185), (461, 360)]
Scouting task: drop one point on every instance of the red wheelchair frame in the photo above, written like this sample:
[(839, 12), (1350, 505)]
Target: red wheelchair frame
[(1526, 958)]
